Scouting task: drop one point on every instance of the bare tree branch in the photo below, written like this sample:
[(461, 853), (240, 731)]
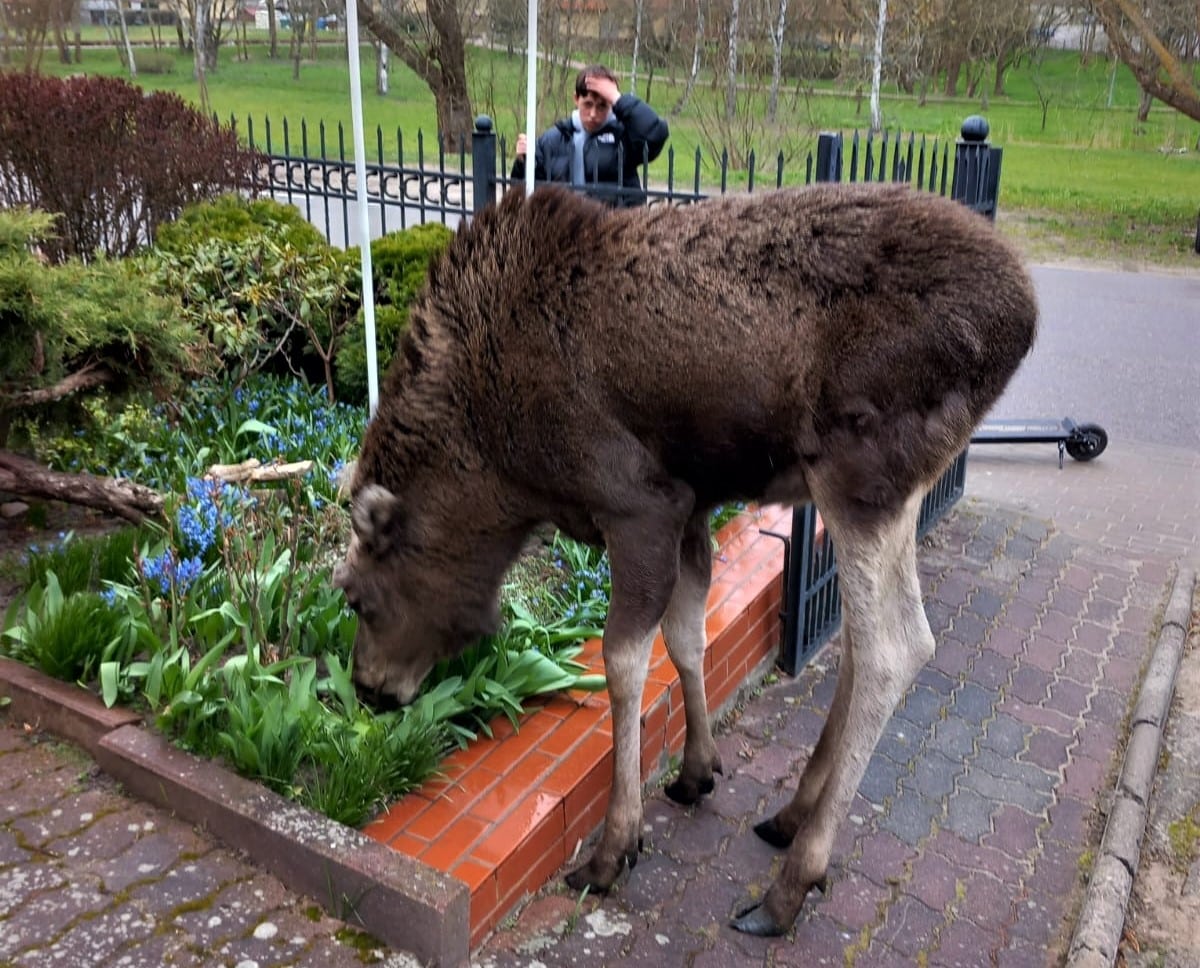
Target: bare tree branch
[(1136, 41), (92, 375)]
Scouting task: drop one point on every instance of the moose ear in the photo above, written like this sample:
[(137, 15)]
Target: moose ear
[(377, 519)]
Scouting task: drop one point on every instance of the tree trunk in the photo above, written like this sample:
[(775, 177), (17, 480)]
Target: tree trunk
[(442, 66), (1157, 69), (1144, 104), (952, 72), (695, 71), (1002, 62), (776, 61), (125, 39), (877, 66), (731, 64), (113, 495), (637, 43)]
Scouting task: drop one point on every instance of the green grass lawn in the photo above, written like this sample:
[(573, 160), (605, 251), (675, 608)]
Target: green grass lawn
[(1087, 177)]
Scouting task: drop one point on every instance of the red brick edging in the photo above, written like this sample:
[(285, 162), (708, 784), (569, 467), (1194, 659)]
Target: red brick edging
[(514, 807)]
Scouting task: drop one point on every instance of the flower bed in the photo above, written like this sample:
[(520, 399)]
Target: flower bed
[(222, 623)]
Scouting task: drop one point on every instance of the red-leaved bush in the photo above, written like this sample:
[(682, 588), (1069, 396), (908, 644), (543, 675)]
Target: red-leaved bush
[(109, 160)]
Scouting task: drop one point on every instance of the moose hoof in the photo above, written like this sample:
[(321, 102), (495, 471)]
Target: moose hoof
[(597, 876), (769, 831), (686, 792), (757, 921)]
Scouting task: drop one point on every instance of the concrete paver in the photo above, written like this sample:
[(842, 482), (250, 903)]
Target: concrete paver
[(91, 877)]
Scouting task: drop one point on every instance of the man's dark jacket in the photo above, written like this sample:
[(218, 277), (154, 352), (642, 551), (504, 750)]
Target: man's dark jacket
[(611, 157)]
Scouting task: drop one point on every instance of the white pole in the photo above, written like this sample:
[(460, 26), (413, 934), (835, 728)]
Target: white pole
[(364, 211), (531, 51)]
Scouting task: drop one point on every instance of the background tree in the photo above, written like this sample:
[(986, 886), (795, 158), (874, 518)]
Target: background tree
[(1155, 39), (24, 25), (63, 15), (430, 39), (698, 36), (778, 32)]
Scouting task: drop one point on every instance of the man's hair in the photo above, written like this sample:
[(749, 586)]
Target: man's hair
[(592, 70)]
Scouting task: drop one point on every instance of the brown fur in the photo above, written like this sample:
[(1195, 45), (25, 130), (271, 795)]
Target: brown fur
[(619, 373)]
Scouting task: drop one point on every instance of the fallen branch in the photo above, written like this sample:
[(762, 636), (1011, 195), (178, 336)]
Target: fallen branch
[(254, 472), (113, 495)]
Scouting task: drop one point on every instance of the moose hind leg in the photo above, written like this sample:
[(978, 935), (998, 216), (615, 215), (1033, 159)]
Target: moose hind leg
[(683, 631), (780, 830), (891, 640)]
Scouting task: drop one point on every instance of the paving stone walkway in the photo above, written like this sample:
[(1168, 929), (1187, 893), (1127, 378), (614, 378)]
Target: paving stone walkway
[(90, 877)]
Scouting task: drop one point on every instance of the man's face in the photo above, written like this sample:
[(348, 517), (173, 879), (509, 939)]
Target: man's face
[(593, 111)]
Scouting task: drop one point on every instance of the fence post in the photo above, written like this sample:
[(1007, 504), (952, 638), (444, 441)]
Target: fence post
[(796, 643), (483, 164), (976, 179), (829, 157)]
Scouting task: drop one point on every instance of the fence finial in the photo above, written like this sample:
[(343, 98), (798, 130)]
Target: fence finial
[(975, 128)]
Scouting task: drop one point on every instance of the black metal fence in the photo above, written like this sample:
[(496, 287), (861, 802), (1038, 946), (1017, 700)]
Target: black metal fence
[(313, 170), (417, 181)]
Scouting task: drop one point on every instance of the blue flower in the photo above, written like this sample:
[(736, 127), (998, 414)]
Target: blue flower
[(188, 572), (169, 573)]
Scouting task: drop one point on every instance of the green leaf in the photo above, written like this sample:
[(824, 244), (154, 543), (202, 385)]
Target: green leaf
[(109, 676), (206, 662), (252, 426)]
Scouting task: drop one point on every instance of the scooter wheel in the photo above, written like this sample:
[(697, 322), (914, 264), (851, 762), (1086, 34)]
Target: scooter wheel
[(1087, 442)]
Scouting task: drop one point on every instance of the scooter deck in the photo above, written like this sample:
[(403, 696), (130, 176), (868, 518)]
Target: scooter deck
[(1024, 431)]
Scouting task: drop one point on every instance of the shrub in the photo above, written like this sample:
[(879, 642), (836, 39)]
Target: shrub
[(400, 264), (234, 218), (154, 62), (111, 161), (74, 327), (263, 285)]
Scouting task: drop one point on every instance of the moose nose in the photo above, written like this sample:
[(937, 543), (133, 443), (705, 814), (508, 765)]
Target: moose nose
[(376, 698)]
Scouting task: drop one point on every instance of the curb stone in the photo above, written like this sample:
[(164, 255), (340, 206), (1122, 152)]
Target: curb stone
[(60, 707), (402, 902), (1102, 918)]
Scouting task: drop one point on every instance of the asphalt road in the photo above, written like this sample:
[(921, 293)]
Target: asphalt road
[(1121, 349)]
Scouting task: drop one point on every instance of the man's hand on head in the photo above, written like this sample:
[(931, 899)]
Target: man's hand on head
[(602, 87)]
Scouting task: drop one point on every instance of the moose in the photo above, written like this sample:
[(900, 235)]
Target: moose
[(620, 373)]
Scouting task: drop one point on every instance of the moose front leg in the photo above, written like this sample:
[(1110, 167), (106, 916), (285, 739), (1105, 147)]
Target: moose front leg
[(644, 555), (625, 665), (684, 633), (780, 830)]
